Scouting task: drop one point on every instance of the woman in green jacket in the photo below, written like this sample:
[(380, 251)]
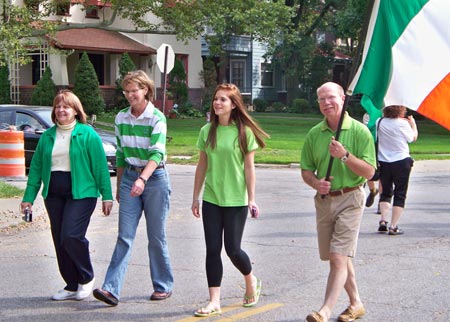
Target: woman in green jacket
[(70, 162)]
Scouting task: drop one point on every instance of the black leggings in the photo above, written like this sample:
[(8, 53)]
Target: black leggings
[(229, 222), (394, 178)]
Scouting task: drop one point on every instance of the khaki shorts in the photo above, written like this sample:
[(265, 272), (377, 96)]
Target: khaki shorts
[(338, 220)]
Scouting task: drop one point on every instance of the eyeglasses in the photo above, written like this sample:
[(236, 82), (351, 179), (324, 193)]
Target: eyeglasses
[(64, 107), (328, 98), (134, 91)]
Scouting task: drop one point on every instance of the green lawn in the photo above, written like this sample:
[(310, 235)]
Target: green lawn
[(287, 133)]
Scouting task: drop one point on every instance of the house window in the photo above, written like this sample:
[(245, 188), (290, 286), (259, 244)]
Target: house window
[(237, 74), (266, 75), (92, 12)]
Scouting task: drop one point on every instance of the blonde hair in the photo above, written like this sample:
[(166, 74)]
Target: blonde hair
[(338, 87), (140, 78)]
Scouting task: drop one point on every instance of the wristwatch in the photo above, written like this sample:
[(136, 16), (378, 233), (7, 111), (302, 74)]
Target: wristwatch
[(345, 157), (143, 180)]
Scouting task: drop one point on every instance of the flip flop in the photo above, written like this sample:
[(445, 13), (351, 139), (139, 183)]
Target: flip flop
[(206, 312), (255, 295)]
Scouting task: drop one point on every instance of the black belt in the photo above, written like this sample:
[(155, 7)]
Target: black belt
[(342, 191), (139, 169)]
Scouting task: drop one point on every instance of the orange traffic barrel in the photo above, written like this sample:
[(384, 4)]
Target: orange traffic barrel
[(12, 154)]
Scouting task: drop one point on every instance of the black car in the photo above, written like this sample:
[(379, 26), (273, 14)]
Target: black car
[(34, 120)]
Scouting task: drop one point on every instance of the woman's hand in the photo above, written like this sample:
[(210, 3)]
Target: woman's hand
[(138, 188), (195, 208), (25, 205), (106, 207), (254, 209)]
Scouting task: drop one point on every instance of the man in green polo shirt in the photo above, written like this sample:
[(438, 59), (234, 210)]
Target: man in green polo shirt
[(339, 202)]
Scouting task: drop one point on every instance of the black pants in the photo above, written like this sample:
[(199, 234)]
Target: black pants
[(69, 220), (394, 178), (229, 222)]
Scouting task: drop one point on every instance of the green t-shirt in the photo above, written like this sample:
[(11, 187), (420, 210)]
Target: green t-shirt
[(225, 177), (355, 137)]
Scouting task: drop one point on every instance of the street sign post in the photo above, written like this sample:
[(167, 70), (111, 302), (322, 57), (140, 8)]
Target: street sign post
[(165, 59)]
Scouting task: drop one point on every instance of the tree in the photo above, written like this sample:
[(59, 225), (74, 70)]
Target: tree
[(209, 76), (177, 84), (24, 26), (5, 85), (45, 90), (266, 21), (348, 22), (290, 28), (125, 65), (86, 86)]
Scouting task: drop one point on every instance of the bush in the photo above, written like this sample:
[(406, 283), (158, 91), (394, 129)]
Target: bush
[(278, 107), (45, 90), (177, 83), (209, 78), (87, 88), (260, 105), (300, 105), (125, 65), (187, 109), (5, 85)]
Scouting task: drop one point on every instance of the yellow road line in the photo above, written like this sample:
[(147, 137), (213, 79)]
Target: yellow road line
[(251, 312), (239, 316), (224, 310)]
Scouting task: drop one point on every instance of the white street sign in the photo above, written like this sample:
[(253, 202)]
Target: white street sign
[(161, 58)]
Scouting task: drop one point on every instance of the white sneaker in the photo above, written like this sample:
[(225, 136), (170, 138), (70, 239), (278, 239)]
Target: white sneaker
[(84, 290), (62, 295)]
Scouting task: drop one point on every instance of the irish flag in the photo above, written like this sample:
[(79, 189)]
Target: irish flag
[(406, 59)]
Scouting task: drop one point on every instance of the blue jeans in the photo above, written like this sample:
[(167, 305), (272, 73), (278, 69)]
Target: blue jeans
[(154, 201)]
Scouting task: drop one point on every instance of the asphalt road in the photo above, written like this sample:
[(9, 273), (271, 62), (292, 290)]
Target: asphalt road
[(401, 278)]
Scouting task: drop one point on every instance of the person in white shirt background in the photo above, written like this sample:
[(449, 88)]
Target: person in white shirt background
[(395, 132)]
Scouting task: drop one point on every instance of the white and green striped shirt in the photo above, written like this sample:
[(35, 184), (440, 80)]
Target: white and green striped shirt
[(140, 139)]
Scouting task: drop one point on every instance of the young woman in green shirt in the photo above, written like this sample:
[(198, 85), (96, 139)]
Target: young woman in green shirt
[(226, 170)]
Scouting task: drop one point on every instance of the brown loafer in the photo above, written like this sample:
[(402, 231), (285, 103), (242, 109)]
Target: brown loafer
[(351, 315), (158, 296), (105, 296), (314, 317)]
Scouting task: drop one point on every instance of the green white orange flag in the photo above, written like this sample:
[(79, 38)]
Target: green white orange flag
[(406, 59)]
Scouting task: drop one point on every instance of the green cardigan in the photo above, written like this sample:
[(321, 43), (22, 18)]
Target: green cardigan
[(89, 169)]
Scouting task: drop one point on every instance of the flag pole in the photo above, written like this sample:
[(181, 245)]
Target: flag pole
[(352, 74)]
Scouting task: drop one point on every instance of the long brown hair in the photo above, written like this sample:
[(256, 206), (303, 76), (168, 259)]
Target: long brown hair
[(239, 116), (70, 99)]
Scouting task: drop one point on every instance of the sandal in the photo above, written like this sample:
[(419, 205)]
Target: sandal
[(382, 228), (254, 296), (207, 311), (395, 231)]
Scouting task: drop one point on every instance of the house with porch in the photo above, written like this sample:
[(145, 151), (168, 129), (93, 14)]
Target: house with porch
[(245, 64), (104, 48), (246, 67)]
